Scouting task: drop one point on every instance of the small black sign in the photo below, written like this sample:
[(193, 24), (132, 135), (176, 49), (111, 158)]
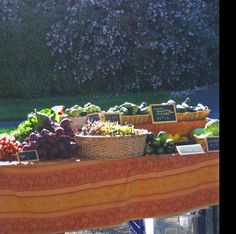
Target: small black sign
[(31, 155), (93, 117), (113, 117), (163, 113), (213, 143)]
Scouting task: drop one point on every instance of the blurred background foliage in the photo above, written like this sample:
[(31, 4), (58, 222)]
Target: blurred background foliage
[(57, 47)]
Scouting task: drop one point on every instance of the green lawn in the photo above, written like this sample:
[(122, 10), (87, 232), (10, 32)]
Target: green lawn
[(6, 131), (17, 109)]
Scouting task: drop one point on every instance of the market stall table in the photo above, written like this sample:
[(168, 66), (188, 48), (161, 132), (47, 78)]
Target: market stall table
[(50, 197), (182, 127)]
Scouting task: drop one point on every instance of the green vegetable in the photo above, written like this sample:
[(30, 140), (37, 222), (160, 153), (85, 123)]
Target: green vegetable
[(162, 135), (134, 110), (145, 110), (185, 105), (124, 110), (87, 104), (36, 120), (160, 150), (169, 146), (92, 109), (191, 109), (202, 108), (84, 113), (75, 112), (143, 105), (157, 142), (149, 149), (213, 127), (180, 109), (127, 105), (116, 107), (197, 108), (198, 131), (171, 102)]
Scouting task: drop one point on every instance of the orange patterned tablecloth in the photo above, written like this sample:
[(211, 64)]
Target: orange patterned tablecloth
[(70, 196)]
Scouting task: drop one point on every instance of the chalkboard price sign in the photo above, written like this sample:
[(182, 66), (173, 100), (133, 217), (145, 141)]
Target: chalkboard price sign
[(213, 143), (31, 155), (113, 117), (163, 113), (93, 117)]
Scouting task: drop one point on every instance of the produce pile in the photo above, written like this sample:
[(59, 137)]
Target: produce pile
[(186, 107), (159, 144), (50, 132), (36, 121), (58, 143), (128, 108), (164, 143), (76, 110), (99, 128), (212, 128), (8, 148)]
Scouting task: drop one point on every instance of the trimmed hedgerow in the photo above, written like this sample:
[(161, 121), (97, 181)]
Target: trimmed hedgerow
[(66, 47)]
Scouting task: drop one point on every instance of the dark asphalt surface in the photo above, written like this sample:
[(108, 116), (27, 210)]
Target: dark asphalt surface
[(208, 97), (9, 124)]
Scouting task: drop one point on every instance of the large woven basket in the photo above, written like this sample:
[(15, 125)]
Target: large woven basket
[(78, 122), (136, 119), (188, 116), (117, 147)]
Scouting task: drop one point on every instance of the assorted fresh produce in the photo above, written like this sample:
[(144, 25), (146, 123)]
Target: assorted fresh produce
[(36, 121), (8, 148), (49, 131), (128, 108), (159, 144), (58, 143), (212, 128), (110, 129), (164, 143), (186, 107), (76, 111)]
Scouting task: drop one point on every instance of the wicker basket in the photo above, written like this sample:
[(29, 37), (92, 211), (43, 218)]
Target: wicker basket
[(78, 122), (198, 140), (136, 119), (118, 147), (188, 116)]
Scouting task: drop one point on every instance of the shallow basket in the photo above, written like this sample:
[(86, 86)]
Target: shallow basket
[(198, 140), (136, 119), (78, 122), (188, 116), (105, 147)]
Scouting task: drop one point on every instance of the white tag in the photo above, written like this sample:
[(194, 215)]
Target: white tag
[(190, 149)]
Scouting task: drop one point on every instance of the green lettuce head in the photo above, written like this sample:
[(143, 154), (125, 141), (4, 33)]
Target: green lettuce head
[(213, 127)]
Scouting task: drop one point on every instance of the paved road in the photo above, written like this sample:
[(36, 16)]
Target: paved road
[(9, 124)]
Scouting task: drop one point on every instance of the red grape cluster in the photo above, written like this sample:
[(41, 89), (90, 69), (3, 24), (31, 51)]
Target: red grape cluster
[(8, 148), (56, 144)]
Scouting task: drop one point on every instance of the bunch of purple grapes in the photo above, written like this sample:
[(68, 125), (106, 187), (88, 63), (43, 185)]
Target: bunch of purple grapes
[(58, 143)]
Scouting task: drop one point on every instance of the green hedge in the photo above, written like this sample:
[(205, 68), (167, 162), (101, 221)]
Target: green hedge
[(61, 47)]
